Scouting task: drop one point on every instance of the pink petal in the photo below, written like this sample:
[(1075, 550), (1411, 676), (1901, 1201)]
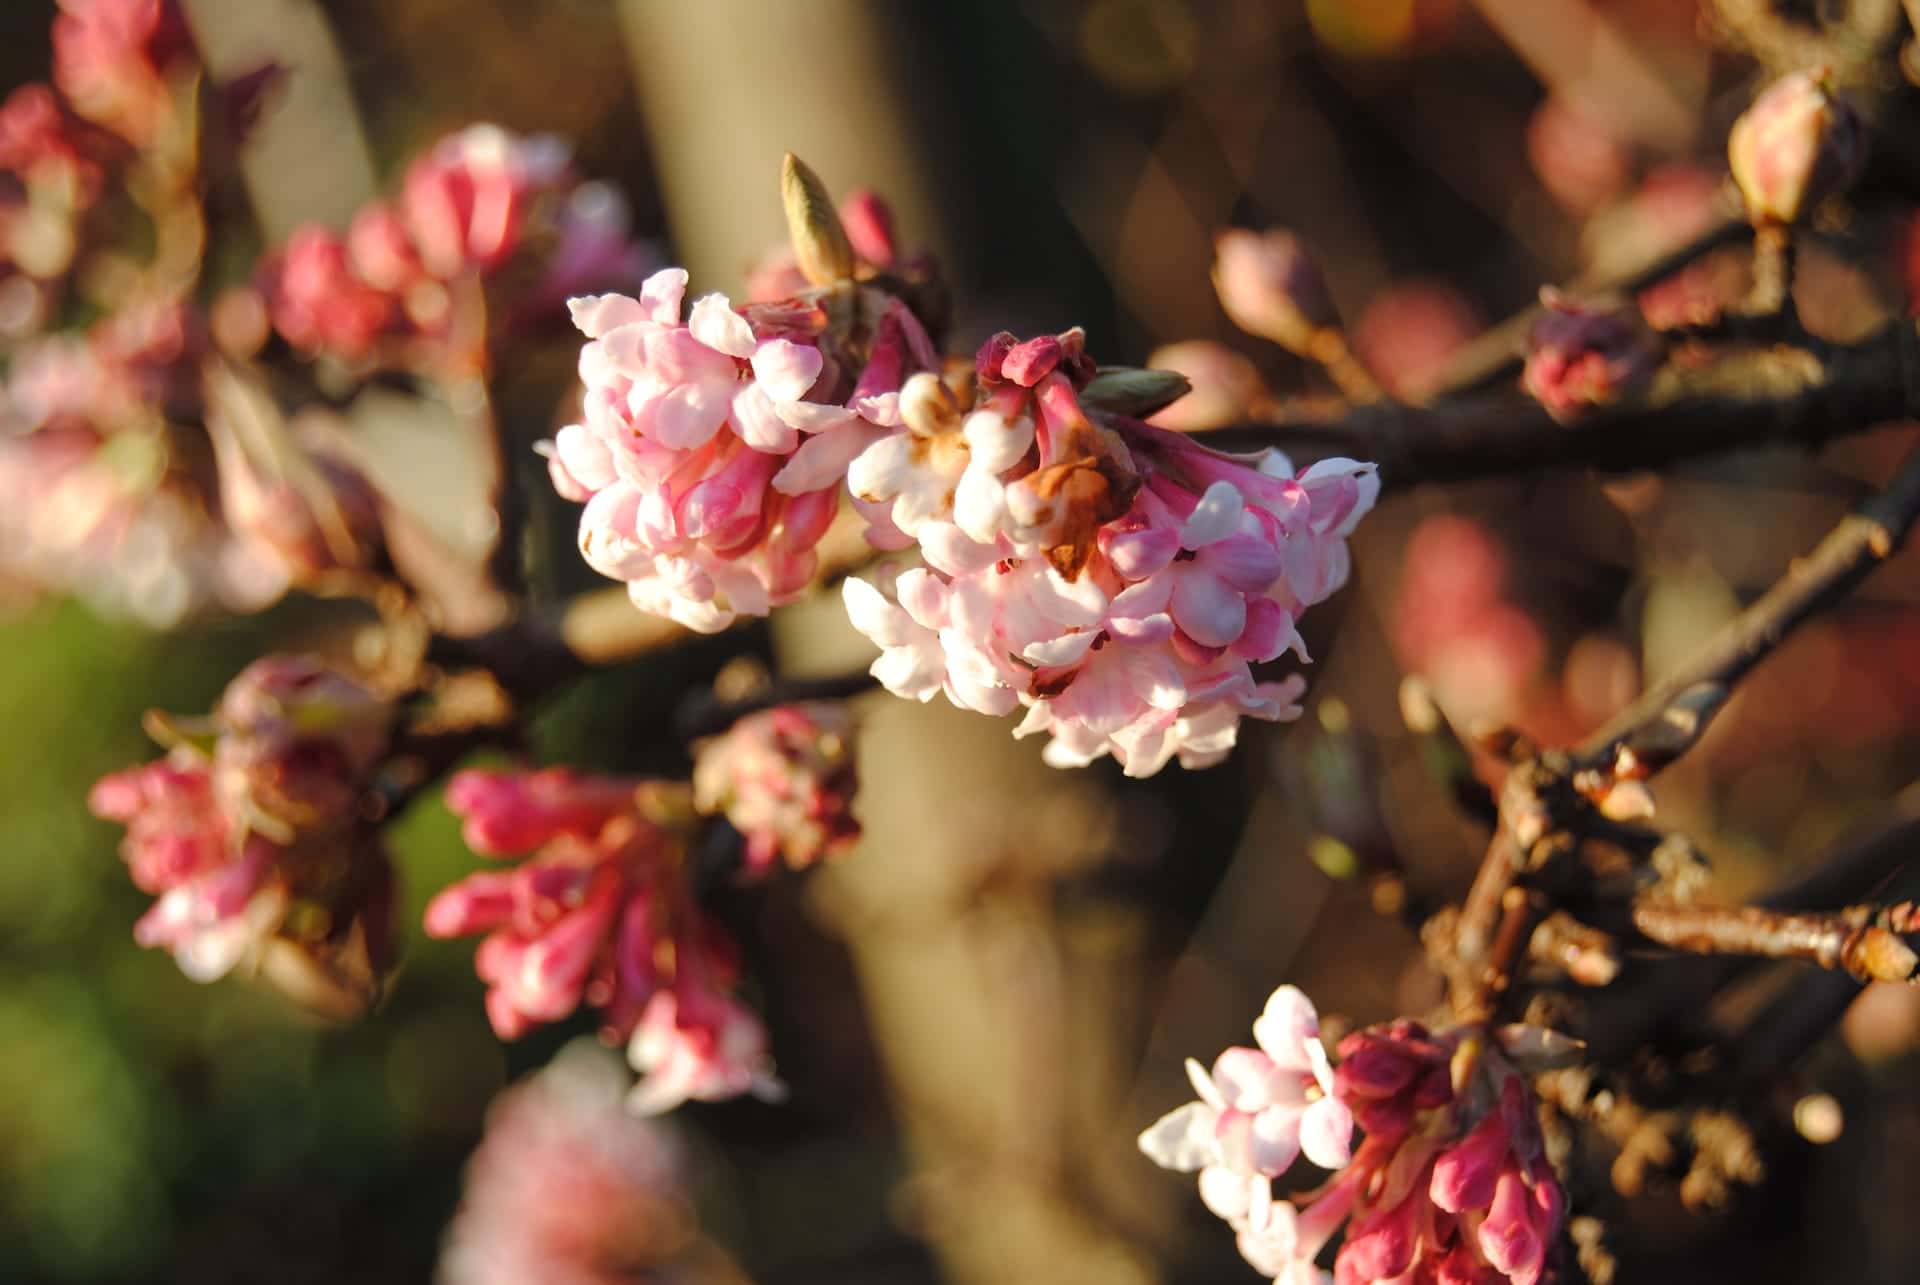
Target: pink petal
[(688, 415), (758, 426), (1211, 611), (661, 293), (1326, 1133)]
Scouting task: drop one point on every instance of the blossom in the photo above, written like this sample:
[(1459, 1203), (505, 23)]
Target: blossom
[(255, 815), (116, 61), (1259, 1109), (1117, 580), (569, 1187), (481, 204), (598, 910), (1581, 356), (784, 777), (708, 473)]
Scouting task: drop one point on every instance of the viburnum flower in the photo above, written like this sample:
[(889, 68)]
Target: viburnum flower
[(255, 813), (1117, 579), (568, 1187), (479, 202), (785, 778), (1794, 147), (599, 912), (708, 471), (1259, 1110)]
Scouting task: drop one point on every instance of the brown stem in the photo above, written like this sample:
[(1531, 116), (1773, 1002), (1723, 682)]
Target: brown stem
[(1740, 402), (1587, 956), (1671, 716), (1862, 941)]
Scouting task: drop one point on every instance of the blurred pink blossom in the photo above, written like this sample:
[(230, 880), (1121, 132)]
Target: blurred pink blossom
[(1406, 333), (568, 1187), (1581, 356), (1227, 388), (118, 62), (785, 778), (1453, 625)]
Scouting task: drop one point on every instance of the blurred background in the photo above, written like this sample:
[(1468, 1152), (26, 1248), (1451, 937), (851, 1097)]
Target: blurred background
[(982, 1006)]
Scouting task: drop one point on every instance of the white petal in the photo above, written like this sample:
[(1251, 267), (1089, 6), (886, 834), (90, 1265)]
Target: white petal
[(1181, 1140), (661, 293), (822, 460), (596, 314), (1064, 650), (715, 324), (786, 369), (1326, 1133), (871, 613), (1216, 517), (688, 415), (993, 443)]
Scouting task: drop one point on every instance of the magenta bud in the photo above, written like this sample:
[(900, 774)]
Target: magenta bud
[(1371, 1068), (1464, 1174), (1381, 1246), (1794, 147), (868, 220), (1030, 362), (990, 361), (1581, 356), (1509, 1237), (1269, 285)]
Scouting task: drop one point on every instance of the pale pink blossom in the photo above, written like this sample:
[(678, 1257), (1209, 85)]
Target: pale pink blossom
[(1129, 633), (696, 1044), (707, 472), (1259, 1110), (120, 63)]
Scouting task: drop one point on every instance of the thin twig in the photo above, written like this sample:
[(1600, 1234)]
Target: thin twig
[(1671, 716), (1863, 941)]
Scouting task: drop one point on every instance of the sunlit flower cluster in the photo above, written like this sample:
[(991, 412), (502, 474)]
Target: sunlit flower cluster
[(1447, 1185), (785, 779), (249, 831)]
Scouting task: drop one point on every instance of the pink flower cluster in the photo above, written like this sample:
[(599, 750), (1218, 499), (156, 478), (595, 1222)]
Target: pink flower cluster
[(121, 62), (707, 455), (1116, 579), (569, 1188), (470, 205), (599, 911), (784, 778), (255, 812), (1259, 1109), (99, 495), (1447, 1188)]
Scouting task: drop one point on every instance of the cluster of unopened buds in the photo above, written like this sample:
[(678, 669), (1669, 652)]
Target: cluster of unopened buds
[(600, 910), (1116, 579), (251, 836), (1450, 1185), (465, 210)]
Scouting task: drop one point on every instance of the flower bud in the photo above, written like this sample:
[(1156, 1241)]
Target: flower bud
[(1796, 146), (1271, 287), (1580, 356), (1465, 1173), (785, 779), (820, 244), (868, 221)]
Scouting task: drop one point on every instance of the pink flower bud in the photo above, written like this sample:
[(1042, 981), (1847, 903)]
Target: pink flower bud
[(869, 224), (1269, 285), (1581, 356), (1382, 1245), (1465, 1173), (1796, 146), (1028, 363), (507, 813), (1510, 1236)]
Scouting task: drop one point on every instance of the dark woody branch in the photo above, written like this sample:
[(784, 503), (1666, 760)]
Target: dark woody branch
[(1742, 401)]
